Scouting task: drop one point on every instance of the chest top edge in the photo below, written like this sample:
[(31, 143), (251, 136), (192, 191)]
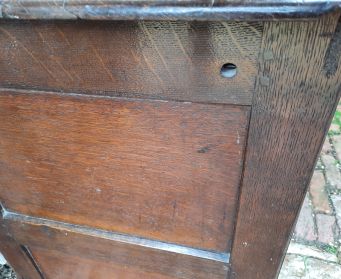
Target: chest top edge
[(205, 10)]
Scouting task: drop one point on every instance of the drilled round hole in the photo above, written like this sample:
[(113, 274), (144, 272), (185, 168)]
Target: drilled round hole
[(228, 70)]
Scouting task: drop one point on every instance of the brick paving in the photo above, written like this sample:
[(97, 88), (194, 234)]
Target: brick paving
[(315, 248)]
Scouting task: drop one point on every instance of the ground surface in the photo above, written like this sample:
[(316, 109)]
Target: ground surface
[(315, 249), (6, 272)]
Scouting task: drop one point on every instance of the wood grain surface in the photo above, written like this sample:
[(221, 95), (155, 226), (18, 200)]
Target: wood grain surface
[(162, 170), (59, 265), (159, 60), (129, 127), (13, 253), (296, 96), (61, 253)]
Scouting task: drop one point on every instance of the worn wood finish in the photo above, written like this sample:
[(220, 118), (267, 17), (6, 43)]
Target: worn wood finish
[(167, 10), (123, 146), (296, 94), (163, 170), (118, 237), (59, 265), (159, 60), (64, 253), (163, 60)]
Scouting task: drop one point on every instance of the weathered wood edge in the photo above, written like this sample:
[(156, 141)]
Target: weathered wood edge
[(167, 10), (297, 91)]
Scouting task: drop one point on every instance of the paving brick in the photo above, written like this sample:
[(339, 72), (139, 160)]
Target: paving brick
[(6, 272), (319, 165), (326, 225), (299, 267), (327, 147), (293, 267), (336, 201), (335, 128), (317, 269), (318, 193), (305, 227), (311, 251), (337, 145), (332, 172)]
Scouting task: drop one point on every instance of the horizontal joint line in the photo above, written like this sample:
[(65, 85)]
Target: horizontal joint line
[(123, 238)]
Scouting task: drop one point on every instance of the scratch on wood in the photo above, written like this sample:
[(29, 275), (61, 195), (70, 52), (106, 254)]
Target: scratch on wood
[(255, 30), (63, 35), (53, 58), (150, 67), (180, 43), (144, 28), (29, 53), (103, 64)]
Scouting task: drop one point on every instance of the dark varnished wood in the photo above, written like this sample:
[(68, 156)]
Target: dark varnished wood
[(118, 237), (159, 60), (295, 98), (15, 255), (167, 10), (162, 170), (80, 267), (122, 147), (62, 252)]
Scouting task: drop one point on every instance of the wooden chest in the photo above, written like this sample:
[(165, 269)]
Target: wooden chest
[(160, 139)]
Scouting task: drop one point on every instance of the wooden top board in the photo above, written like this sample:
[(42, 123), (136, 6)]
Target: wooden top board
[(167, 9)]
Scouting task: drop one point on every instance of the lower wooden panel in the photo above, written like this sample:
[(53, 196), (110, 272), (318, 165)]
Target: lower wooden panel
[(58, 265), (169, 171), (16, 256), (62, 252)]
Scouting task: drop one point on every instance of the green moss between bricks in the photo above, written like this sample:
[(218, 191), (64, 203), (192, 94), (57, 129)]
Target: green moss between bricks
[(330, 249)]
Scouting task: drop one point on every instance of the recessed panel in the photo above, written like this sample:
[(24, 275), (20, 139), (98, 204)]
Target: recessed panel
[(162, 170)]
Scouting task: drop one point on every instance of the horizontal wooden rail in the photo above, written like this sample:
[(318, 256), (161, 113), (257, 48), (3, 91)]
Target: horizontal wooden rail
[(122, 238)]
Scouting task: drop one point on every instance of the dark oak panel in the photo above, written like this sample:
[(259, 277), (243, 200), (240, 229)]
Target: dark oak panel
[(64, 253), (296, 95), (122, 146), (58, 265), (159, 60), (15, 255), (162, 170)]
